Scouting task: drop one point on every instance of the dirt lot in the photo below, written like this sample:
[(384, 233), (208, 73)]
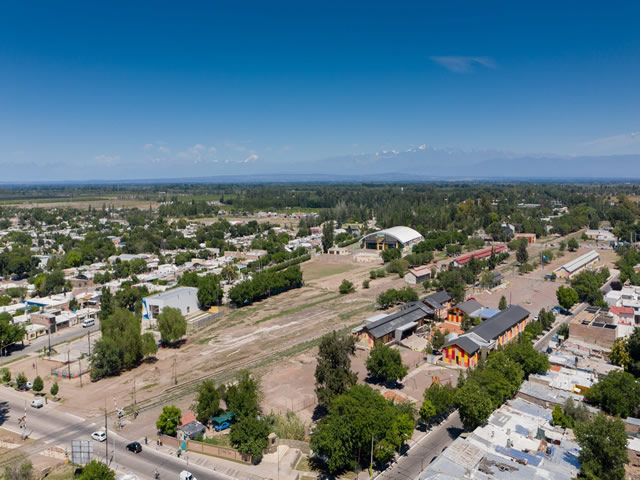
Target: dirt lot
[(261, 331), (531, 290)]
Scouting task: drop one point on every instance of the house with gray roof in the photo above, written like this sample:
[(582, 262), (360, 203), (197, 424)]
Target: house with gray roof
[(393, 327)]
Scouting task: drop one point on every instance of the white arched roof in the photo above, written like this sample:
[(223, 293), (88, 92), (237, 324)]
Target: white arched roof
[(403, 234)]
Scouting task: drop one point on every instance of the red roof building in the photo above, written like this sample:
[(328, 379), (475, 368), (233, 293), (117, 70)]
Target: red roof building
[(479, 254)]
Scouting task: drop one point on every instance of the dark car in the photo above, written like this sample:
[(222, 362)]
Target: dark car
[(134, 447)]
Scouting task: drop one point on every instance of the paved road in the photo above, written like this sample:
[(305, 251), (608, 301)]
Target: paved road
[(52, 427), (57, 338), (422, 452)]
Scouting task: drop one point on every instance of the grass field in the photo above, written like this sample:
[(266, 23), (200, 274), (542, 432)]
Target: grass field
[(295, 310), (321, 271)]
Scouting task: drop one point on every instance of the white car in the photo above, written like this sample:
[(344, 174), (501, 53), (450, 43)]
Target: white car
[(184, 475), (37, 403), (29, 385), (99, 436)]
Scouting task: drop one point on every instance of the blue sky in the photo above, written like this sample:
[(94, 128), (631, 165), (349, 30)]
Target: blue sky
[(166, 89)]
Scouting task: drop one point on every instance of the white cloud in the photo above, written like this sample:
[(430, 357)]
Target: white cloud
[(462, 64), (626, 143), (251, 158), (198, 153), (107, 160), (163, 150), (148, 146)]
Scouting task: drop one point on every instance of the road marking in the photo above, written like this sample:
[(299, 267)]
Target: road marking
[(74, 416)]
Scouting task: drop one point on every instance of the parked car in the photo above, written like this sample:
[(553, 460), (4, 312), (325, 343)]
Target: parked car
[(222, 426), (37, 403), (100, 436), (134, 447), (89, 322), (185, 475)]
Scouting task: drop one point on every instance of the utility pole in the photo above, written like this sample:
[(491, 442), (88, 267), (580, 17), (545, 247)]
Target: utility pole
[(68, 364), (175, 377), (80, 372), (135, 410), (49, 353), (106, 432), (89, 339)]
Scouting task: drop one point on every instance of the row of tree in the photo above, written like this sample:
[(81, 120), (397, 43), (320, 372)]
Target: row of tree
[(265, 284)]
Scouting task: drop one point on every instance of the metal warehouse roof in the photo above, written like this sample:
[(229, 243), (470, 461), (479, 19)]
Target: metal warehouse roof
[(393, 322), (580, 262), (498, 324), (169, 294), (401, 234)]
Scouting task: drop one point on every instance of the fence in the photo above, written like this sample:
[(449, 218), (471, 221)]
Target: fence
[(216, 451), (304, 447), (204, 321), (72, 369)]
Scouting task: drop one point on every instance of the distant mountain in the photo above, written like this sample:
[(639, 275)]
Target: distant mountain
[(432, 163), (420, 164)]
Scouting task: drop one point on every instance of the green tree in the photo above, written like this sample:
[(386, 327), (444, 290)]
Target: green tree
[(427, 411), (619, 354), (473, 404), (207, 403), (149, 345), (172, 325), (169, 420), (6, 375), (243, 397), (527, 357), (96, 470), (38, 384), (327, 236), (21, 380), (572, 244), (365, 284), (617, 393), (603, 444), (250, 436), (521, 253), (442, 397), (209, 291), (54, 389), (486, 279), (333, 372), (344, 435), (9, 333), (385, 364), (567, 297), (558, 418), (437, 339), (503, 303), (107, 304), (105, 360), (346, 287)]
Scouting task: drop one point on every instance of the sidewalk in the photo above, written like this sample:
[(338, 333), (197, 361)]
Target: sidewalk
[(267, 469)]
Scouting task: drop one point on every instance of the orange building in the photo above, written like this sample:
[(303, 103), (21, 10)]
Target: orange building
[(498, 330)]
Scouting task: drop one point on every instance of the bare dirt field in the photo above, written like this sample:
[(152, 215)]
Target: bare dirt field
[(531, 290), (269, 337)]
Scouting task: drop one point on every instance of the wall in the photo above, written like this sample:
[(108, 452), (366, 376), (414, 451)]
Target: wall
[(453, 354), (216, 451), (603, 337)]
